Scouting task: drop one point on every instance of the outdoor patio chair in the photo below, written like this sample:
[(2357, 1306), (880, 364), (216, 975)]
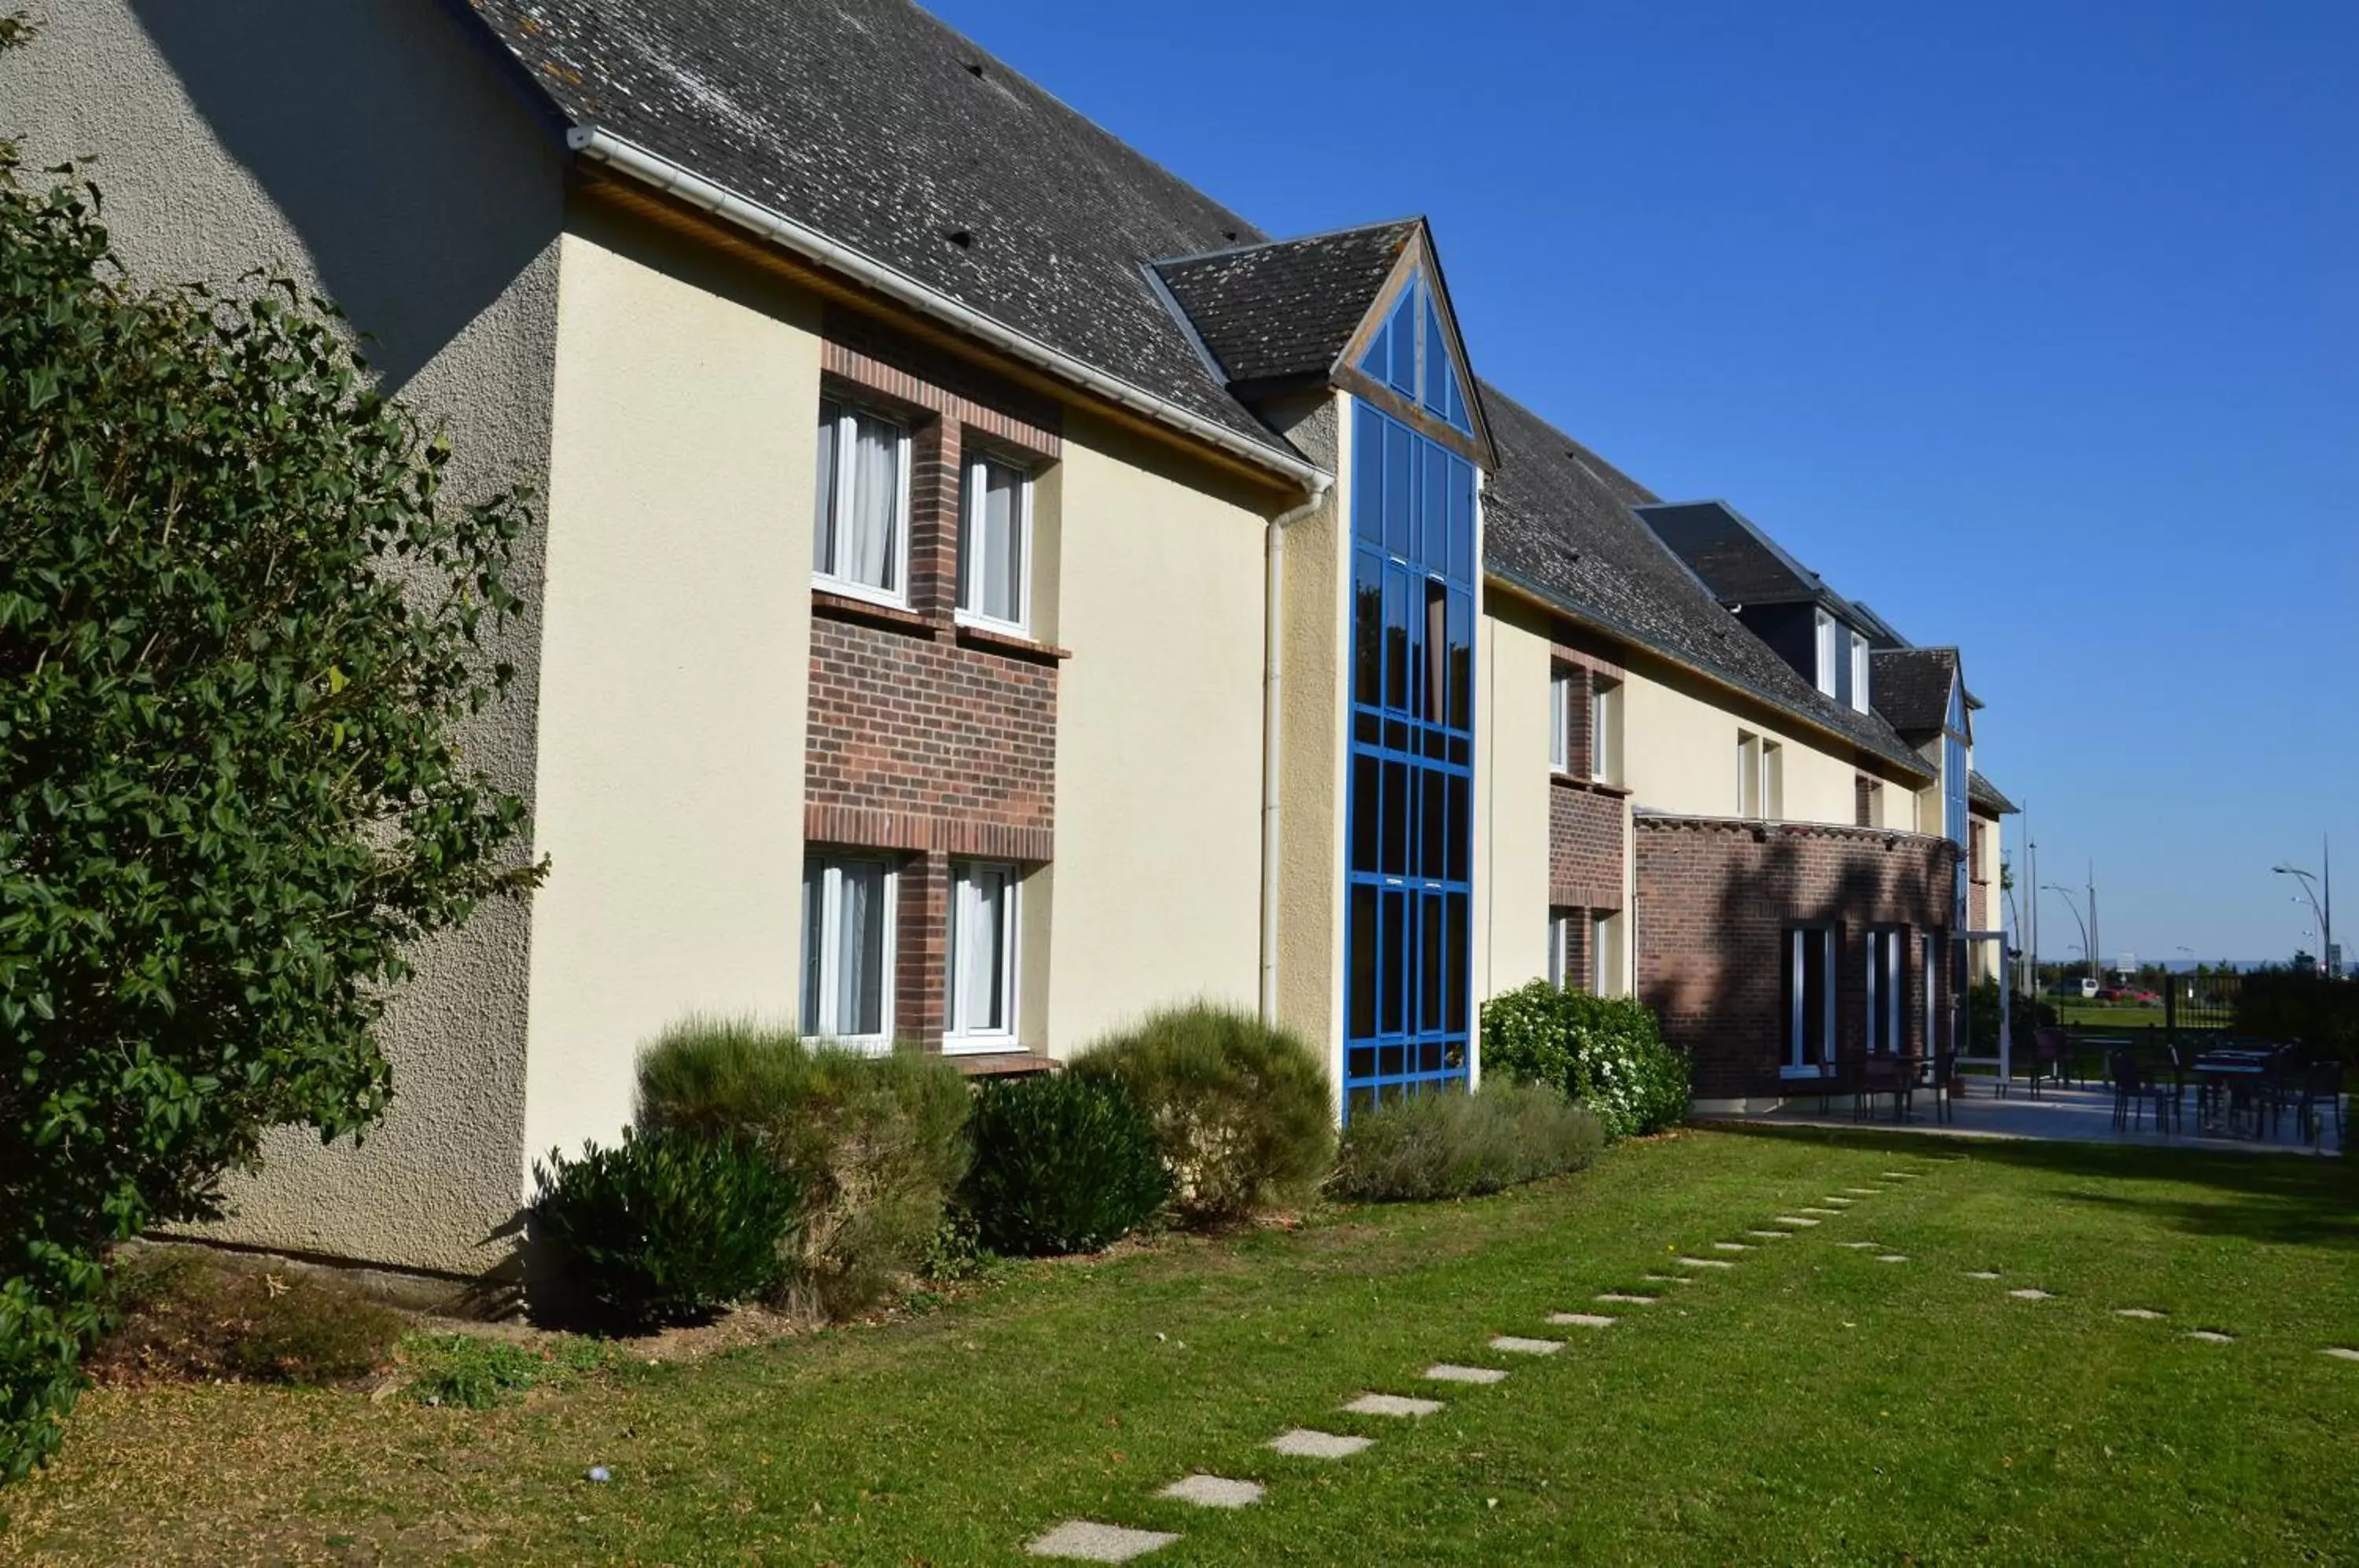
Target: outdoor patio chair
[(2167, 1083), (2130, 1089), (1945, 1079), (1880, 1075), (2321, 1088), (2049, 1053)]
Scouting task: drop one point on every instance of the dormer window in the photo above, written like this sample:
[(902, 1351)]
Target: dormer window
[(1828, 677), (1859, 672)]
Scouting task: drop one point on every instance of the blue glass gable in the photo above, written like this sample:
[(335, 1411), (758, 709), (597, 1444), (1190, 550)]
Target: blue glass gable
[(1410, 354)]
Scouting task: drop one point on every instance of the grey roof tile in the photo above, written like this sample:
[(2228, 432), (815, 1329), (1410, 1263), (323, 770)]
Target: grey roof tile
[(1272, 311), (1740, 564), (1559, 522), (1910, 687), (1981, 791), (876, 124)]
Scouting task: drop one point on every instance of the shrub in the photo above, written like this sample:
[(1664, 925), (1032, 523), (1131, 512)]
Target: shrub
[(1452, 1145), (664, 1225), (1242, 1112), (1062, 1163), (877, 1144), (186, 1312), (241, 627), (2303, 1005), (1605, 1051)]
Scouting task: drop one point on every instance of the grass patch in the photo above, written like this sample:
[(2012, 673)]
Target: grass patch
[(1811, 1404), (2124, 1017), (479, 1373)]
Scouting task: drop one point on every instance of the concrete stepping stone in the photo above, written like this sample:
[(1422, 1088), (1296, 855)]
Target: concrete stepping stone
[(1582, 1320), (2144, 1314), (1897, 1175), (2032, 1293), (1213, 1491), (2341, 1352), (1792, 1219), (1839, 1204), (1772, 1234), (2211, 1336), (1444, 1372), (1893, 1258), (1734, 1246), (1305, 1443), (1827, 1213), (1688, 1262), (1865, 1192), (1861, 1246), (1093, 1542), (1982, 1273), (1392, 1405), (1627, 1298), (1517, 1345), (1669, 1278)]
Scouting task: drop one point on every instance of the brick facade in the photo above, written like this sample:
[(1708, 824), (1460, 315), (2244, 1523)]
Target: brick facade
[(1716, 897), (927, 737), (1586, 851)]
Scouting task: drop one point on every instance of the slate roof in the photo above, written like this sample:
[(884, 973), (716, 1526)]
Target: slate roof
[(1910, 687), (1981, 791), (1880, 632), (1737, 561), (1275, 311), (1559, 522), (876, 124)]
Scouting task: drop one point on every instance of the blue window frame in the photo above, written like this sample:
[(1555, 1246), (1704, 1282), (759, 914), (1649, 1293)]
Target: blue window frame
[(1411, 833), (1410, 354)]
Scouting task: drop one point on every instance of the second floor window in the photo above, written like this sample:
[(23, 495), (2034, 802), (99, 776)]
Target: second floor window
[(860, 542), (1561, 688), (1828, 682), (1605, 732), (995, 544), (1859, 672)]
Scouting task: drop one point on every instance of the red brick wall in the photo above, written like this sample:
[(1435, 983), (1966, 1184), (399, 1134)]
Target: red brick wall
[(1714, 899), (925, 736), (1585, 846)]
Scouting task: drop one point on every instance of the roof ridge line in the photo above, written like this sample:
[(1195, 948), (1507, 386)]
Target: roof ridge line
[(1248, 247)]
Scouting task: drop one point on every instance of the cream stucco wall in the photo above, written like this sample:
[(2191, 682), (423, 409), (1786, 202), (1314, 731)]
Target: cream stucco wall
[(1511, 779), (676, 665), (1679, 753), (1158, 872), (369, 153)]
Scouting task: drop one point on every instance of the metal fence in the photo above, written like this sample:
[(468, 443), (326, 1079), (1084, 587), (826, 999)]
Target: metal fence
[(2193, 1003)]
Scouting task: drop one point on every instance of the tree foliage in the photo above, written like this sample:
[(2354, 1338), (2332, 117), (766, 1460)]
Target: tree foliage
[(239, 626)]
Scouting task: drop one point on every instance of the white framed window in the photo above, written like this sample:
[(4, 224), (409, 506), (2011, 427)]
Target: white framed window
[(847, 990), (980, 968), (1859, 672), (1875, 811), (860, 540), (1560, 948), (1605, 731), (1826, 651), (1809, 982), (1887, 991), (1607, 965), (995, 544), (1560, 687), (1936, 945), (1773, 781)]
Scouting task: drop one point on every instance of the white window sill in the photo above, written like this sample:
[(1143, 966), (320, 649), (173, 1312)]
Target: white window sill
[(992, 624), (979, 1044)]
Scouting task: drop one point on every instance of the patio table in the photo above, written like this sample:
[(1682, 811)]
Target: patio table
[(2221, 1079)]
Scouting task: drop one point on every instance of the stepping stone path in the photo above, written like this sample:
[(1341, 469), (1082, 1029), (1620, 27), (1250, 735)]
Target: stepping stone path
[(1099, 1542), (2341, 1352), (1733, 1247), (1772, 1234), (2211, 1336), (1982, 1273), (1897, 1175), (1861, 1246), (1213, 1491), (1893, 1258), (1628, 1299), (1305, 1443), (1839, 1204), (1792, 1219), (1829, 1213), (1516, 1345), (1445, 1373), (1582, 1320), (1667, 1279), (1865, 1192), (1703, 1262), (1392, 1405), (2032, 1294), (2144, 1314)]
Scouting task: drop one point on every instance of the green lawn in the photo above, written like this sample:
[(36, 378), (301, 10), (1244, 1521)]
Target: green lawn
[(2128, 1020), (1811, 1404)]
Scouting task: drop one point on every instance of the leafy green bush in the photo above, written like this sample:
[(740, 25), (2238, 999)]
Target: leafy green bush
[(877, 1144), (1452, 1145), (665, 1225), (240, 626), (2303, 1005), (1062, 1163), (1605, 1051), (1242, 1112)]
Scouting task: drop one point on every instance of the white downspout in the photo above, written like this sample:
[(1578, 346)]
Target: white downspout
[(1273, 685)]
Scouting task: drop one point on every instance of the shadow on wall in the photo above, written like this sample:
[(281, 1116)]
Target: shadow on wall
[(417, 178), (1720, 993)]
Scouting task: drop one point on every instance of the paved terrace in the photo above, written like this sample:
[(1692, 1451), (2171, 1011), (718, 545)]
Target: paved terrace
[(2074, 1115)]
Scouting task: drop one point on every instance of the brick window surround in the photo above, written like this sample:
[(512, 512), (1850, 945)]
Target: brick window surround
[(929, 737)]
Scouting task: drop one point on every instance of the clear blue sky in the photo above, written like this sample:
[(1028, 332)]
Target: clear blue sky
[(2035, 325)]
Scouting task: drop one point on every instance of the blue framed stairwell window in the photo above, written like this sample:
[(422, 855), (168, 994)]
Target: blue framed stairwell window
[(1410, 354), (1409, 810)]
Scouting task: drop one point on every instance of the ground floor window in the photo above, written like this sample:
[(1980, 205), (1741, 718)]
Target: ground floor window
[(847, 991), (1563, 963), (980, 961), (1888, 987), (1607, 960), (1810, 1000), (1936, 951)]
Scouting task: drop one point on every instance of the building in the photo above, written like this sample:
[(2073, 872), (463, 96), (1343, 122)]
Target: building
[(978, 599)]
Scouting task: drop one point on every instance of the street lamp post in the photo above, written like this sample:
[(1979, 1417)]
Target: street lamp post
[(2086, 950), (2325, 922)]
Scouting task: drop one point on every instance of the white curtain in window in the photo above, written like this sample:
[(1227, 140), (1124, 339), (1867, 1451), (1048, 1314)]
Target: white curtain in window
[(868, 542), (823, 531), (995, 542), (860, 952), (978, 945)]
